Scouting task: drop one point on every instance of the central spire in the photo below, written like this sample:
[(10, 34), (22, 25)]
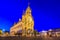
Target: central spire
[(28, 10)]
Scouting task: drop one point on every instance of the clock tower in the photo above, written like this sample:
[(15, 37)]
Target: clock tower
[(28, 22)]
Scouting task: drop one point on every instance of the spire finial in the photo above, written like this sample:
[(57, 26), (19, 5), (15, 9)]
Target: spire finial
[(23, 12), (28, 3)]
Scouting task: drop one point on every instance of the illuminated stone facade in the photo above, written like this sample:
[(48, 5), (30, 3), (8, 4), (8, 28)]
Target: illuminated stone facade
[(1, 32), (16, 28), (26, 24)]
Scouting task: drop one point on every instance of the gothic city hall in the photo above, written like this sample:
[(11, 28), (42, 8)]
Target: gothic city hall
[(25, 25)]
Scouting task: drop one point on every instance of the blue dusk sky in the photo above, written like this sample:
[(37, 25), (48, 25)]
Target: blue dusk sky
[(46, 13)]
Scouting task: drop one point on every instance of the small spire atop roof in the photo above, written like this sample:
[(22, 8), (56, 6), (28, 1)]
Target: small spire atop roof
[(28, 8), (19, 19), (28, 3)]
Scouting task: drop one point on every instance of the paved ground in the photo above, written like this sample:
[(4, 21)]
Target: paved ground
[(29, 38)]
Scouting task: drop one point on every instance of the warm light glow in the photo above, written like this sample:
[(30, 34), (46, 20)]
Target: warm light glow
[(26, 24), (44, 31), (27, 20), (50, 29)]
